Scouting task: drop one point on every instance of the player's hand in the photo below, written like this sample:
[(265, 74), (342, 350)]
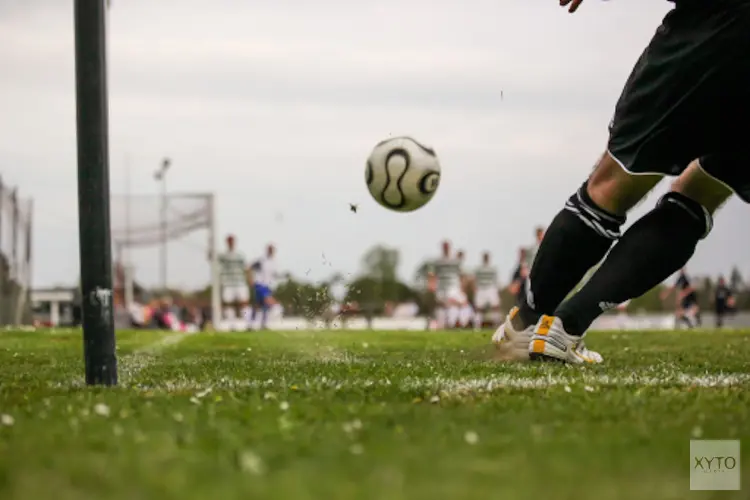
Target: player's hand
[(571, 4)]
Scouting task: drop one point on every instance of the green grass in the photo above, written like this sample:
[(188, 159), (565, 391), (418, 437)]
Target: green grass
[(366, 415)]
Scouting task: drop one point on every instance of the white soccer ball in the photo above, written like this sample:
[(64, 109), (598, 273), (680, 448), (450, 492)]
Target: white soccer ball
[(402, 174)]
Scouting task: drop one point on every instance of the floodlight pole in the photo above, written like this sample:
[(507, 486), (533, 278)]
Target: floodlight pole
[(93, 193), (161, 176)]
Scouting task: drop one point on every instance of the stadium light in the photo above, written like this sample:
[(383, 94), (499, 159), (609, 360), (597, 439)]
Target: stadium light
[(161, 177), (93, 193)]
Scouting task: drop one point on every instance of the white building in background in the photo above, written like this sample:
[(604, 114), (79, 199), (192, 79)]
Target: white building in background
[(53, 306)]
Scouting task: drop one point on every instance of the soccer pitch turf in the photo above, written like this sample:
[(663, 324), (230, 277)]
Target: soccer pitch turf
[(366, 415)]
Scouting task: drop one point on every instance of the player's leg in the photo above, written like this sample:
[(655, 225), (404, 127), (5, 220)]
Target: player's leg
[(580, 236), (665, 118), (492, 307), (441, 309), (268, 303), (480, 306), (255, 306), (242, 303), (698, 318), (654, 248), (466, 311), (686, 316), (453, 308), (227, 299)]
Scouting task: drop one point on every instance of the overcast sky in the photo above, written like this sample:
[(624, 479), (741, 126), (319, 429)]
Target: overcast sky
[(273, 105)]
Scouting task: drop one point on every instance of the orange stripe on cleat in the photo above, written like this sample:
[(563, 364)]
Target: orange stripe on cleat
[(537, 346), (544, 325)]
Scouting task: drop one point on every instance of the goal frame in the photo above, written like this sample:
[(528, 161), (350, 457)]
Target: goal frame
[(124, 239)]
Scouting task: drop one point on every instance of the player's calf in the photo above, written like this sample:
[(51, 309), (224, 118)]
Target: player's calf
[(579, 237), (655, 247)]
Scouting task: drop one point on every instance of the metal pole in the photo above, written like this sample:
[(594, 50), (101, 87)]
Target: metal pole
[(164, 232), (93, 193), (214, 256), (161, 176)]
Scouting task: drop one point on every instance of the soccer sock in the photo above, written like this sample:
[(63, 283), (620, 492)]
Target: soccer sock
[(654, 248), (576, 240)]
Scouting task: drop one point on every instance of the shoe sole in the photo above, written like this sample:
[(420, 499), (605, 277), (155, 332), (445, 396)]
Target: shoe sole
[(537, 356)]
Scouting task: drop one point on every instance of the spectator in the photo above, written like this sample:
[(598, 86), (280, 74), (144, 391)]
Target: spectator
[(724, 302)]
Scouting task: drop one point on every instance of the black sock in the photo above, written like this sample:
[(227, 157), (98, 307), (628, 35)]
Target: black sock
[(654, 248), (576, 240)]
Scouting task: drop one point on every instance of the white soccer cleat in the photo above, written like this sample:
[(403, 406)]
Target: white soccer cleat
[(512, 344), (550, 342), (585, 352)]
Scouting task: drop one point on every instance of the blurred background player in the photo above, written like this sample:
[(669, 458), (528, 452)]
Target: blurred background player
[(688, 310), (486, 294), (518, 281), (465, 312), (429, 302), (518, 286), (449, 296), (724, 303), (538, 237), (235, 294), (264, 278)]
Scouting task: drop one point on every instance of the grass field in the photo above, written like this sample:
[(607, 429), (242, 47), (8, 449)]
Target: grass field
[(366, 415)]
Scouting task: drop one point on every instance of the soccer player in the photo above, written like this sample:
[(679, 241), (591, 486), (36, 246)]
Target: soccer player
[(520, 275), (723, 301), (681, 113), (264, 279), (538, 237), (449, 296), (688, 309), (486, 293), (235, 294), (515, 346)]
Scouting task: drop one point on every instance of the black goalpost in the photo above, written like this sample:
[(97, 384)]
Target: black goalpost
[(93, 192)]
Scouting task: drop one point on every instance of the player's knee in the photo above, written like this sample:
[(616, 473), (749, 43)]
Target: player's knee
[(699, 217), (700, 187), (615, 190), (592, 215)]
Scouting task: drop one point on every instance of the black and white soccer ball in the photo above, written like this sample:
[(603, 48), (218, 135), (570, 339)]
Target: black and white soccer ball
[(402, 174)]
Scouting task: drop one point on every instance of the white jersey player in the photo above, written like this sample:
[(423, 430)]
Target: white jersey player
[(264, 280), (450, 297), (486, 292), (531, 255), (235, 293)]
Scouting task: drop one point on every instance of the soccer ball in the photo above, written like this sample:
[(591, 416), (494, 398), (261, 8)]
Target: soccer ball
[(402, 174)]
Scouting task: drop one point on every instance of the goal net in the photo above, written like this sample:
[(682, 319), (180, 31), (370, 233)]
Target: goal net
[(15, 257), (164, 246)]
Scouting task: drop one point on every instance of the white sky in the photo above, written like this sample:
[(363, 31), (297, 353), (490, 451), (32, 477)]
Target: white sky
[(273, 105)]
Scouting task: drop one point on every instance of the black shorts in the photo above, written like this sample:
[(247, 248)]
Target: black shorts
[(688, 96), (689, 301)]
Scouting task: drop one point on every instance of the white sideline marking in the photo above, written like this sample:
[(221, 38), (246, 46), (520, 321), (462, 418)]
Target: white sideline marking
[(458, 386), (132, 364)]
